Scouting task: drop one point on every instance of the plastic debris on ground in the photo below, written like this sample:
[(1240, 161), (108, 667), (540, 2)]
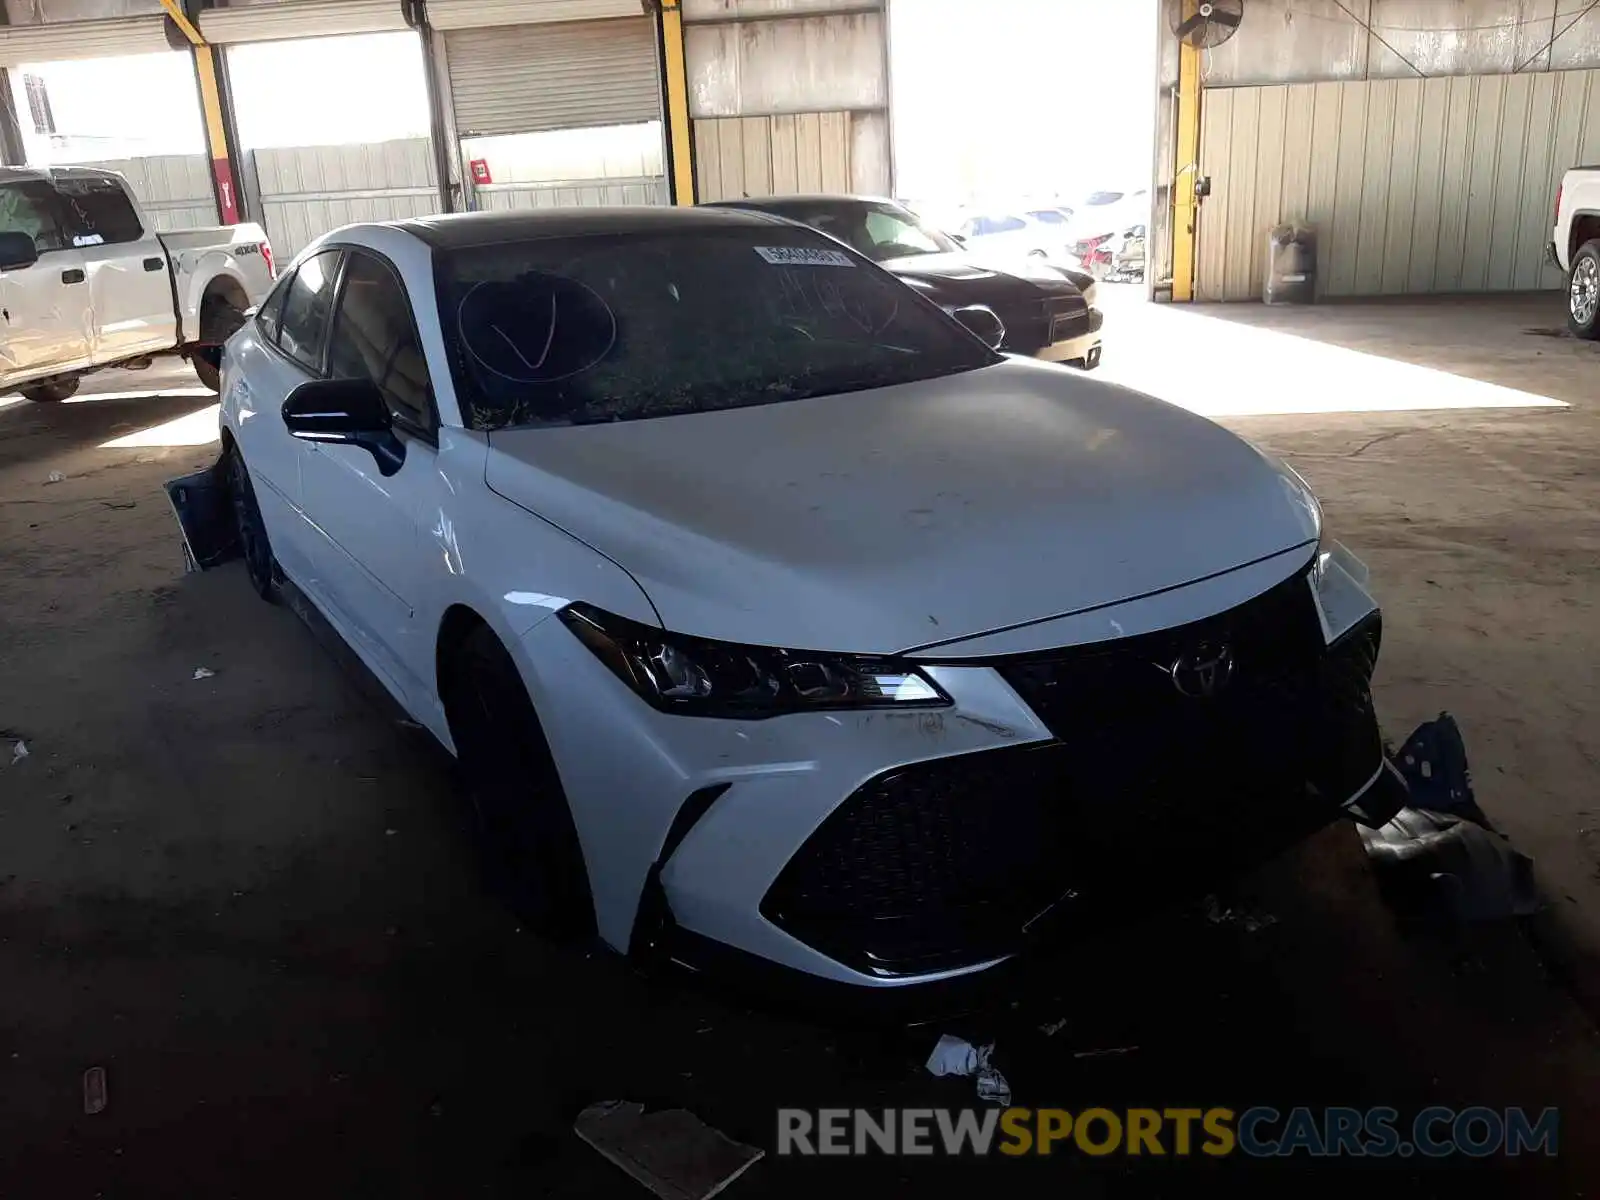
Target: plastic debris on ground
[(95, 1096), (673, 1152), (204, 511), (1221, 914), (19, 752), (56, 477), (1108, 1052), (956, 1056), (1440, 855), (203, 673)]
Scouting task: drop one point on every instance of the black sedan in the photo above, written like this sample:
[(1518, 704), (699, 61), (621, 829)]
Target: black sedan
[(1048, 311)]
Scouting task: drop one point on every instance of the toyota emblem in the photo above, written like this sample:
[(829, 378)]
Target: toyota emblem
[(1204, 671)]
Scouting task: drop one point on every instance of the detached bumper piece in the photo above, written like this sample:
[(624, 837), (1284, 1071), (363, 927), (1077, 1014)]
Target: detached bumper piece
[(1147, 793)]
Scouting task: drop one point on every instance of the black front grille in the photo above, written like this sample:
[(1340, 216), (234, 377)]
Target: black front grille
[(1144, 789), (1032, 326)]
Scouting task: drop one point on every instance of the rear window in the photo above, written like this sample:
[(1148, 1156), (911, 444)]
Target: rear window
[(99, 212), (1048, 216), (1100, 198), (983, 226), (572, 331)]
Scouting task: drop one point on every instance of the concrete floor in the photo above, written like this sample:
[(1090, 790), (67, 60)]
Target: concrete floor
[(252, 900)]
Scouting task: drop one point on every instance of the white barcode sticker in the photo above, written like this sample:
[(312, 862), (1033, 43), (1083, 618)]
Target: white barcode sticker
[(803, 256)]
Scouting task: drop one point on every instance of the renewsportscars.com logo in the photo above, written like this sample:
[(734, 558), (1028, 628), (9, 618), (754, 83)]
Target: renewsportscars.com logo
[(1259, 1132)]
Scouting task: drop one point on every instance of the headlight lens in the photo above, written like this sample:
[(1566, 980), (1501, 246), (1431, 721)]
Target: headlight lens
[(1339, 583), (700, 677)]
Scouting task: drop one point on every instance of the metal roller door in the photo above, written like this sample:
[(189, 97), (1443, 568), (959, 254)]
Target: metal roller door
[(300, 19), (20, 44), (475, 14), (563, 75)]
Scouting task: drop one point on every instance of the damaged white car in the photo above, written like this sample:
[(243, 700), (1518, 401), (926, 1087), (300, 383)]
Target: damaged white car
[(769, 611)]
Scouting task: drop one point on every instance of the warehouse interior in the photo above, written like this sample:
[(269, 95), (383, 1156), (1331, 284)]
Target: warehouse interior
[(233, 878)]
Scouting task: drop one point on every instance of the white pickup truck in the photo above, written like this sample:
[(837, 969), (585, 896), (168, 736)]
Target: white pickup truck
[(1575, 246), (86, 283)]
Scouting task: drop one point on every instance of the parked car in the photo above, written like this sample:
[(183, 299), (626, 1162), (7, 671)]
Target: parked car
[(1107, 233), (1575, 247), (86, 283), (1017, 235), (767, 610), (1118, 256), (1044, 311)]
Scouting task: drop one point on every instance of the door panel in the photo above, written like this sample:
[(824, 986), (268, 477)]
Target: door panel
[(44, 309), (130, 286), (371, 521)]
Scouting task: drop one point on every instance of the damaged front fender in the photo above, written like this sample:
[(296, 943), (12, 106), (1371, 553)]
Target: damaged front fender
[(203, 504)]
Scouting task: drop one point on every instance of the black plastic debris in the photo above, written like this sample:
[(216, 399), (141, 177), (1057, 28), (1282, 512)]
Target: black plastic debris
[(1433, 762), (202, 504), (1439, 855)]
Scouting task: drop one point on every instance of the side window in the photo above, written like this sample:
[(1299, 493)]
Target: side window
[(303, 327), (30, 206), (99, 212), (374, 337), (270, 315), (1008, 224)]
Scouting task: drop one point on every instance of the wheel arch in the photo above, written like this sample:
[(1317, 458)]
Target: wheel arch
[(1585, 228)]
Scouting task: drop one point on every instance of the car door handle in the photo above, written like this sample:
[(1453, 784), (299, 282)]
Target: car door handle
[(72, 275), (153, 264)]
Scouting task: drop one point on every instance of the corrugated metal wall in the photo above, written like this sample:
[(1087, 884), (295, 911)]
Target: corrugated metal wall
[(738, 157), (307, 190), (173, 189), (1413, 185), (788, 96)]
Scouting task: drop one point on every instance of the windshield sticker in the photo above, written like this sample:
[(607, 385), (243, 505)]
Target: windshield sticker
[(803, 256), (91, 239)]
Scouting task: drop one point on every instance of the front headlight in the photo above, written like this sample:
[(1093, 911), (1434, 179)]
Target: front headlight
[(1339, 583), (700, 677)]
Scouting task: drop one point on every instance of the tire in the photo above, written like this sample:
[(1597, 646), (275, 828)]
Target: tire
[(254, 545), (52, 393), (524, 826), (1583, 292), (219, 321), (207, 370)]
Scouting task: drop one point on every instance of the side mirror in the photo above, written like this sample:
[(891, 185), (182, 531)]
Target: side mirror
[(17, 250), (349, 412), (982, 322)]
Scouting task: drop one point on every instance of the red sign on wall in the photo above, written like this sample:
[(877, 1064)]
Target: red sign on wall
[(480, 171)]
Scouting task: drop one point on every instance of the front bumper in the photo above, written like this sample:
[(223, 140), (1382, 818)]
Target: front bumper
[(883, 849), (1084, 344)]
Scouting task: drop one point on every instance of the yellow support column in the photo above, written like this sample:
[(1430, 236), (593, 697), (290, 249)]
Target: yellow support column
[(680, 138), (211, 108), (1186, 167)]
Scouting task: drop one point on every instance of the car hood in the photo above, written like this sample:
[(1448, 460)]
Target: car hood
[(890, 519), (975, 279)]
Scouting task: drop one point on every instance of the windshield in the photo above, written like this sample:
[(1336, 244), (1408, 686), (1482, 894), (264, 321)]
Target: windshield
[(880, 231), (622, 327)]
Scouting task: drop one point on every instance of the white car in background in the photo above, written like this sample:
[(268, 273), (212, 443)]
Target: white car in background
[(770, 613), (86, 283), (1033, 233)]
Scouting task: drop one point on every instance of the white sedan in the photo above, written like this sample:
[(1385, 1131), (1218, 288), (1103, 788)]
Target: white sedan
[(769, 611)]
